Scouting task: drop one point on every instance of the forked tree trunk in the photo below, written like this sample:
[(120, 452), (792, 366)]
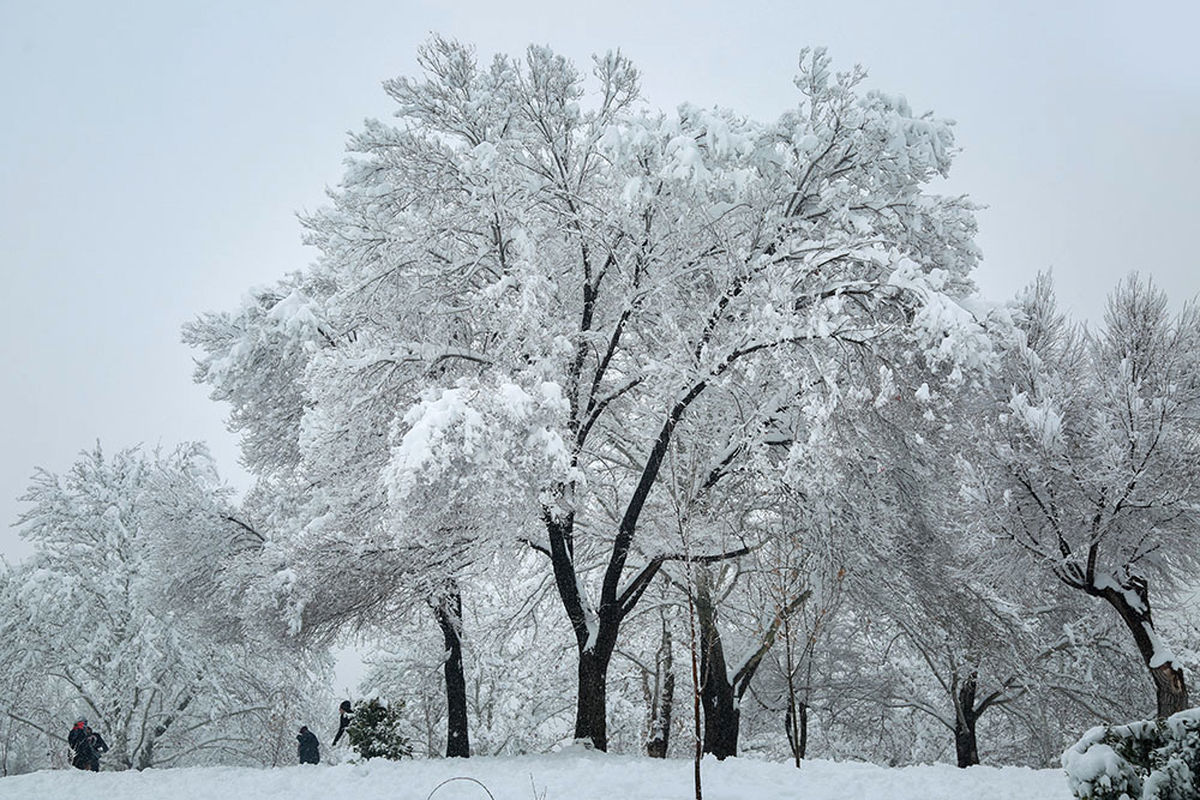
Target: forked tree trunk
[(1132, 602), (720, 693), (596, 637), (449, 616), (795, 722)]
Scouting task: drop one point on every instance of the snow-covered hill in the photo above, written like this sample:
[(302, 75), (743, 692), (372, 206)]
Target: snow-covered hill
[(561, 776)]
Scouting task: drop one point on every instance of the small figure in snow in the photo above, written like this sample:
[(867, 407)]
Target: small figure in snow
[(308, 748), (344, 714), (86, 746)]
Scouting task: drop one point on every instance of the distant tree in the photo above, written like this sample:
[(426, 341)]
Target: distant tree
[(724, 685), (965, 624), (87, 614), (514, 657), (808, 559), (658, 686), (985, 633)]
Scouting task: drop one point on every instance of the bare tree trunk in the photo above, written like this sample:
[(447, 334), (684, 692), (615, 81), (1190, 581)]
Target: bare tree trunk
[(661, 698), (795, 719), (802, 750), (1170, 689), (449, 616), (7, 745), (795, 723), (699, 751), (146, 756), (595, 635), (591, 718), (661, 743), (965, 717), (721, 713), (590, 703), (965, 743)]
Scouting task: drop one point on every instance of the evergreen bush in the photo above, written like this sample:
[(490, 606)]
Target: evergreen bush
[(1148, 760), (374, 731)]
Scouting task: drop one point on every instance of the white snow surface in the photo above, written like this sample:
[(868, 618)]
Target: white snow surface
[(567, 775)]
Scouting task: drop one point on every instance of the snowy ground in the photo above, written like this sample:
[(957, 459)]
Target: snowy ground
[(561, 776)]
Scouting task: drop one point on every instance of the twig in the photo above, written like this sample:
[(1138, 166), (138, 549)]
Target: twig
[(460, 778)]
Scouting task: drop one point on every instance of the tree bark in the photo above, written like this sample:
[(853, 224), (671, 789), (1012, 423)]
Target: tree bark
[(661, 698), (590, 719), (802, 750), (660, 728), (966, 745), (1170, 688), (449, 616), (721, 713), (722, 717)]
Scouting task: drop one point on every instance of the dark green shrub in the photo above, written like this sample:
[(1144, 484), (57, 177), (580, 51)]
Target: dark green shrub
[(374, 731), (1151, 760)]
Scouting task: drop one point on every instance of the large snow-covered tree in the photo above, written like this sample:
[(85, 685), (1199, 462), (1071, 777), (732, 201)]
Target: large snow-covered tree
[(525, 226)]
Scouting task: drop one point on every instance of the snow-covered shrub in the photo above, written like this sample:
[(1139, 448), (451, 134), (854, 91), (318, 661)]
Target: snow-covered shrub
[(1149, 760), (374, 731)]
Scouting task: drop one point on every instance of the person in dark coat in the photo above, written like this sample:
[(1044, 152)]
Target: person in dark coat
[(344, 714), (308, 748), (86, 746)]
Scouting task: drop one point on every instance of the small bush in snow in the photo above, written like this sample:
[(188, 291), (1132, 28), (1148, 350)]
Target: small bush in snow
[(374, 731), (1152, 760)]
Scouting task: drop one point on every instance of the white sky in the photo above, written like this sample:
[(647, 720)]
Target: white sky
[(152, 156)]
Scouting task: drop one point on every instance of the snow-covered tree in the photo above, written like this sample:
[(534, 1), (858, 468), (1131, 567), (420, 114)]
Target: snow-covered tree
[(797, 574), (89, 614), (1099, 438), (514, 656), (514, 230), (987, 635)]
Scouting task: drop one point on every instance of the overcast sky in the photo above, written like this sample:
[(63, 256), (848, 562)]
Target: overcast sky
[(153, 155)]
